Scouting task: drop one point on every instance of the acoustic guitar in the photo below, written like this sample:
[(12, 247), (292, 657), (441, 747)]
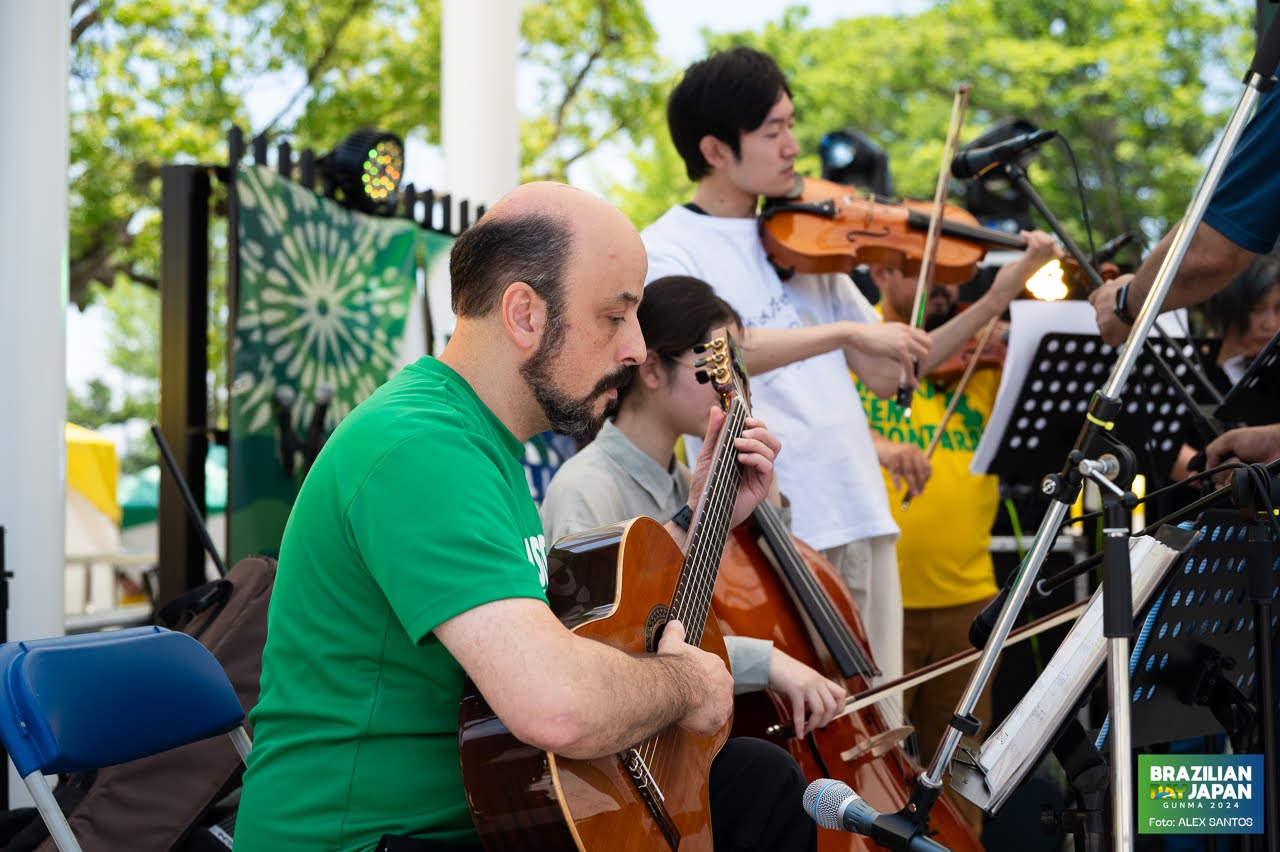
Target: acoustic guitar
[(619, 585)]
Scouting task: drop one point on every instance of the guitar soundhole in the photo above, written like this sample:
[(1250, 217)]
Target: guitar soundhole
[(653, 627)]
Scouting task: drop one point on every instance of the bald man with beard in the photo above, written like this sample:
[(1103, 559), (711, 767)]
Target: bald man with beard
[(414, 557)]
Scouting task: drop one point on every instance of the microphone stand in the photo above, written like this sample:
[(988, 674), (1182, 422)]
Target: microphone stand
[(1018, 177), (1253, 497), (1117, 626), (1093, 442)]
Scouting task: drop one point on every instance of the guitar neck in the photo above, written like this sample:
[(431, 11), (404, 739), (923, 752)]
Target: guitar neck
[(710, 528)]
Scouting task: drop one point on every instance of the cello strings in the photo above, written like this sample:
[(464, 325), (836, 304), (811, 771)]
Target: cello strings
[(824, 611), (892, 704)]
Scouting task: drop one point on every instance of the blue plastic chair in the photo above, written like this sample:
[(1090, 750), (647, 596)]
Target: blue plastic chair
[(74, 703)]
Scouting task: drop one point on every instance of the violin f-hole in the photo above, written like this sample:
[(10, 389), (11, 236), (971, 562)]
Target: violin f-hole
[(853, 235)]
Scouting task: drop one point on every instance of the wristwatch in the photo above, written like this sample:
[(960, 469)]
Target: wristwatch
[(1120, 310), (683, 518)]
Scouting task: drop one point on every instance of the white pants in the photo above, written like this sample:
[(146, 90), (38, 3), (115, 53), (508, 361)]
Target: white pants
[(869, 568)]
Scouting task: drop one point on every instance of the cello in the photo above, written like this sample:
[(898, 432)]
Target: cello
[(772, 586)]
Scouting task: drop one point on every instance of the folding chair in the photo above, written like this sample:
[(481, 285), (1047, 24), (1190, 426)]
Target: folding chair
[(74, 703)]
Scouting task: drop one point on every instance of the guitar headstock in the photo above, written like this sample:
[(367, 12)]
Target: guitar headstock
[(722, 366)]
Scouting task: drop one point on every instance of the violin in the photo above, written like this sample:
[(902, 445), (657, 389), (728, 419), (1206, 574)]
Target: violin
[(991, 355), (827, 227), (773, 586)]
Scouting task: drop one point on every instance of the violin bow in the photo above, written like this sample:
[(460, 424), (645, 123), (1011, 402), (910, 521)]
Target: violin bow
[(927, 262), (854, 703)]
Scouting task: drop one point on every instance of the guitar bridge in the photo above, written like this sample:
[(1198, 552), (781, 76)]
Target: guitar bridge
[(650, 794)]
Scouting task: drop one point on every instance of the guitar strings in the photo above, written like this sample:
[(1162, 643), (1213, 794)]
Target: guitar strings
[(694, 569), (692, 600)]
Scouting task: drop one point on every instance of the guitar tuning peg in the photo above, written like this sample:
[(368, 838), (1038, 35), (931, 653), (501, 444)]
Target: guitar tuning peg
[(702, 376), (699, 348)]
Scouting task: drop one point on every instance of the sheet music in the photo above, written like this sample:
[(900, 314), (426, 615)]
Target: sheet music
[(1014, 747), (1029, 321)]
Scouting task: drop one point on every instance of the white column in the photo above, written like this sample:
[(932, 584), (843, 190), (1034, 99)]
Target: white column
[(480, 130), (33, 297), (33, 292)]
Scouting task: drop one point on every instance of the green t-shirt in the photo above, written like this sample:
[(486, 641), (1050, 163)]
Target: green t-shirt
[(416, 510)]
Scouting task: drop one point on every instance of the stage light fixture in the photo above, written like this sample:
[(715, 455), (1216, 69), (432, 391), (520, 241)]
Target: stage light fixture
[(364, 171), (848, 156)]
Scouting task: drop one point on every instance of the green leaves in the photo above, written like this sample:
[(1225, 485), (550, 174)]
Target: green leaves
[(1138, 89), (597, 76)]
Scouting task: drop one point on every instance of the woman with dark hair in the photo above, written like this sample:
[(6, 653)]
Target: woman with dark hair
[(1246, 315), (630, 469)]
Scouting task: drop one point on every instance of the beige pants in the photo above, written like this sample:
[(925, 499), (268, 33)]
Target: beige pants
[(869, 568)]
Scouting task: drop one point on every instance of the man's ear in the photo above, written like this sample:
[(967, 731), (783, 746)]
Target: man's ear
[(524, 315), (717, 154), (879, 273)]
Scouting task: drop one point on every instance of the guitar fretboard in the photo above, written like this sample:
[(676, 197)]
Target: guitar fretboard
[(691, 602)]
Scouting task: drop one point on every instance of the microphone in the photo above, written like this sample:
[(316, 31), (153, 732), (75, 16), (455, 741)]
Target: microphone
[(979, 161), (1111, 248), (985, 621), (284, 397), (833, 804)]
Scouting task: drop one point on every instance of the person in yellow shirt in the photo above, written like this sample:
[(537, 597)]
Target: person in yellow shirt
[(944, 559)]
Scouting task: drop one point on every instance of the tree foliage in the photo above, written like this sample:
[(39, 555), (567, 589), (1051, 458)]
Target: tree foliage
[(132, 350), (139, 71), (162, 81), (598, 78), (1138, 89)]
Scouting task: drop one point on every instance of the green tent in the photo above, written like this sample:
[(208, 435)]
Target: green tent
[(139, 493)]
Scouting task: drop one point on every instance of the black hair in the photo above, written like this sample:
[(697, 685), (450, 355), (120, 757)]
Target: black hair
[(725, 95), (495, 252), (677, 313), (1228, 309)]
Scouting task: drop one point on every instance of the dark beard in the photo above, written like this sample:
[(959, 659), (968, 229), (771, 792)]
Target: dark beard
[(568, 416), (938, 318)]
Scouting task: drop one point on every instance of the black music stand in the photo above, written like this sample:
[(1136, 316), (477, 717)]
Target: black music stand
[(1255, 399), (1065, 371), (1196, 672), (1050, 715)]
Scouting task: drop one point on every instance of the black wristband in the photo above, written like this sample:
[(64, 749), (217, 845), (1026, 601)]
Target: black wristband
[(1120, 309), (683, 518)]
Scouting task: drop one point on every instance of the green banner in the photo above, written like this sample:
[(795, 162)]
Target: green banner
[(324, 295), (1201, 794)]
